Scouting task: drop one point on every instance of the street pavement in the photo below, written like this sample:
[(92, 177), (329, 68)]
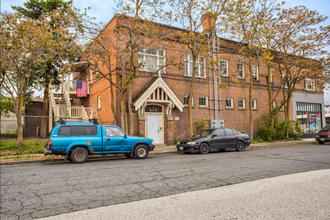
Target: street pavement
[(296, 196)]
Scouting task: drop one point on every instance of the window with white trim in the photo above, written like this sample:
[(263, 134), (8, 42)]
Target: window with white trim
[(188, 65), (99, 102), (310, 85), (229, 102), (152, 59), (254, 104), (240, 70), (282, 108), (241, 103), (274, 104), (255, 73), (286, 79), (224, 67), (203, 102), (271, 75), (186, 100)]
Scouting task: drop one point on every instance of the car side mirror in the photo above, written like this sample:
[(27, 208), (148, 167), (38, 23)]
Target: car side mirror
[(214, 135)]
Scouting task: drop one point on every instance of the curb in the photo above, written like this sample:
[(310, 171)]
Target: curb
[(150, 153)]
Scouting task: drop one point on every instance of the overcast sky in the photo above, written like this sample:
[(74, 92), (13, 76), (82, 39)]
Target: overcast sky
[(103, 11)]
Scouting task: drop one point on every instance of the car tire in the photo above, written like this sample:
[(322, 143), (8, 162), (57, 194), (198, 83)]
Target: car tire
[(321, 142), (79, 155), (240, 146), (204, 148), (141, 152), (222, 150), (128, 155)]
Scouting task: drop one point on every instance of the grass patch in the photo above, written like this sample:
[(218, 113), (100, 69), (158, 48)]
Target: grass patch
[(8, 146)]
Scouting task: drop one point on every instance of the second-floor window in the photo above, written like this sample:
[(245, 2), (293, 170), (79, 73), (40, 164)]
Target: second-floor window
[(255, 74), (186, 100), (240, 70), (99, 102), (188, 65), (224, 67), (310, 85), (152, 59)]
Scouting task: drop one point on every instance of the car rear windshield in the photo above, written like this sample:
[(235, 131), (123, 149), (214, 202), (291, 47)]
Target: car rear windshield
[(78, 130)]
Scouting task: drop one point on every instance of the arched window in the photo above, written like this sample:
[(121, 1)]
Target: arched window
[(153, 108), (99, 102)]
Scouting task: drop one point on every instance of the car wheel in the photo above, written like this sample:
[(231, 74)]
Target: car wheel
[(321, 142), (204, 148), (222, 150), (141, 152), (79, 155), (240, 146), (128, 155)]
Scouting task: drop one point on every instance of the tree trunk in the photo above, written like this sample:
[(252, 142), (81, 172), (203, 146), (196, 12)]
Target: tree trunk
[(45, 110), (250, 100), (130, 110), (270, 96), (19, 123), (113, 105), (122, 111)]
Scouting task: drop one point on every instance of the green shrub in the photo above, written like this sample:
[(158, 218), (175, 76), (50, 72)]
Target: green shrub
[(281, 129), (201, 124)]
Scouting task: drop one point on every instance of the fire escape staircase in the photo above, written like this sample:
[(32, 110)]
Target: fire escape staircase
[(60, 101)]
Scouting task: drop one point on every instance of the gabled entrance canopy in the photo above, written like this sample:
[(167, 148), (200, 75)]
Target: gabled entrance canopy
[(158, 91)]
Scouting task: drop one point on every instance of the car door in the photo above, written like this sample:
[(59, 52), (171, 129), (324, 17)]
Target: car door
[(231, 138), (218, 140), (114, 140)]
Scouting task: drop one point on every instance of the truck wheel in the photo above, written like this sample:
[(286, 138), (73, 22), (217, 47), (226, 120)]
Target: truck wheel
[(141, 152), (79, 155)]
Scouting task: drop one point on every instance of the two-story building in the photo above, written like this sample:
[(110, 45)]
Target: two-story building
[(160, 101)]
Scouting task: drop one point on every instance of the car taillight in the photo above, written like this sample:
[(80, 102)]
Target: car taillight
[(50, 143)]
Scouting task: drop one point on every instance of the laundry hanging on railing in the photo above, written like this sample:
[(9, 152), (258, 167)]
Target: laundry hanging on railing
[(81, 89)]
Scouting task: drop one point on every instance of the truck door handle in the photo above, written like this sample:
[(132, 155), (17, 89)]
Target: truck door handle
[(108, 139)]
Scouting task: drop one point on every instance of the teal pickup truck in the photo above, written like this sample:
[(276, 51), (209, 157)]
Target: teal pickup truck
[(77, 140)]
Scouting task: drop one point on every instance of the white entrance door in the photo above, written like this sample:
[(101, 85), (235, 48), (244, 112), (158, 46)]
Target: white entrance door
[(153, 128)]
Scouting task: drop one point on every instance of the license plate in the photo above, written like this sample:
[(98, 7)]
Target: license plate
[(181, 148), (322, 139)]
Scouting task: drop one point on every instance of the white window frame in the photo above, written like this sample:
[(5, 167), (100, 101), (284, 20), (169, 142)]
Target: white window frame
[(142, 58), (188, 68), (99, 104), (274, 104), (254, 104), (282, 108), (186, 105), (231, 102), (221, 68), (206, 101), (243, 74), (255, 75), (243, 102), (312, 85), (271, 75)]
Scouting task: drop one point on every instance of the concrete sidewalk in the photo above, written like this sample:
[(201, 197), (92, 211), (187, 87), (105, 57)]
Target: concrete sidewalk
[(297, 196), (159, 149)]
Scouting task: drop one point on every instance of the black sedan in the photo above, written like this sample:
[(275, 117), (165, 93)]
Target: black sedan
[(208, 140)]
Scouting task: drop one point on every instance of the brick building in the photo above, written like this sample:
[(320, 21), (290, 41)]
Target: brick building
[(160, 101)]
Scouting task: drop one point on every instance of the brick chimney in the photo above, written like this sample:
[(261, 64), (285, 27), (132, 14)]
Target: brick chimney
[(208, 23)]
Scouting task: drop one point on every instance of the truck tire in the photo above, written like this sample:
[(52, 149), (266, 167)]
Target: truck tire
[(141, 152), (79, 155)]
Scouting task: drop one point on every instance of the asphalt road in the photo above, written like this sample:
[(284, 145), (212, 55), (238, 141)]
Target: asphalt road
[(41, 190)]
